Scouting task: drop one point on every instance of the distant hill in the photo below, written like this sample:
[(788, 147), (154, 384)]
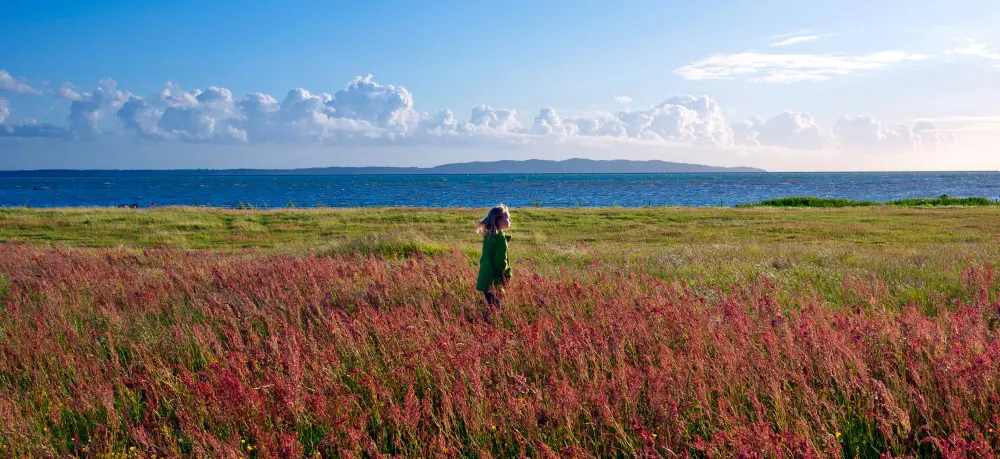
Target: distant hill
[(531, 166)]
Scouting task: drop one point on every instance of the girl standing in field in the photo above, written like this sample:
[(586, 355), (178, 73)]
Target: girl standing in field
[(494, 267)]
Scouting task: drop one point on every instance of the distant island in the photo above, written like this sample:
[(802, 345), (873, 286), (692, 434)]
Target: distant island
[(531, 166)]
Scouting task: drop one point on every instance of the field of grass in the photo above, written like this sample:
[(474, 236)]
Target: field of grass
[(762, 332)]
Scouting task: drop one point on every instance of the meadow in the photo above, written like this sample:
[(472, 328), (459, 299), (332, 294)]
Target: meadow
[(658, 332)]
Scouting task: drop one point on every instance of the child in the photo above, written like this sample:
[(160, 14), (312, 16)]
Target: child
[(494, 268)]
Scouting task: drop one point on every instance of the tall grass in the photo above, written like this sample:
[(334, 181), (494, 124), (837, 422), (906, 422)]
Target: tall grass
[(170, 353)]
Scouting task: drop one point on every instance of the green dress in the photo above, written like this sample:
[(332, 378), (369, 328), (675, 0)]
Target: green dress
[(494, 268)]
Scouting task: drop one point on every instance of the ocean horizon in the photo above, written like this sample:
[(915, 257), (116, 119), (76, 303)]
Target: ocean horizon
[(176, 188)]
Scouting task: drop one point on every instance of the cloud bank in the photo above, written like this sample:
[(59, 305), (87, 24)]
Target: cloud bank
[(365, 113)]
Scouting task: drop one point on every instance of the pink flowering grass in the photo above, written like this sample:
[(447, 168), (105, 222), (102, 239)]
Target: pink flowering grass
[(171, 353)]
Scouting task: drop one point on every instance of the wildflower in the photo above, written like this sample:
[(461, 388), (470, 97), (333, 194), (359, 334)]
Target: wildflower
[(131, 448), (493, 427), (249, 448), (838, 434)]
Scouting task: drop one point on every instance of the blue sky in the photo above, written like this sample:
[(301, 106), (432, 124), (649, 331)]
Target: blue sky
[(784, 85)]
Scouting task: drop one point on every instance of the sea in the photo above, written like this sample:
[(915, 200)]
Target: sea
[(527, 190)]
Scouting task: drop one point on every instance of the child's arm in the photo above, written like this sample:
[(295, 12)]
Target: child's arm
[(500, 260)]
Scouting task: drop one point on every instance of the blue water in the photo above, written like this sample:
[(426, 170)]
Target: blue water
[(585, 190)]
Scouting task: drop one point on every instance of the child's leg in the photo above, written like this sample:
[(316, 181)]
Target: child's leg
[(494, 300)]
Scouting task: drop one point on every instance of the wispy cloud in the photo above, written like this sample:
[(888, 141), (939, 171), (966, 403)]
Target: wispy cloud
[(781, 36), (795, 40), (971, 47), (799, 39), (964, 123), (623, 100), (15, 85), (789, 68)]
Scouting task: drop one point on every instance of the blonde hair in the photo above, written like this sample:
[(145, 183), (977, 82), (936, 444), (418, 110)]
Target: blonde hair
[(488, 225)]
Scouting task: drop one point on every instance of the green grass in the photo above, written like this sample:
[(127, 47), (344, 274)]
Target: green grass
[(852, 257), (917, 250), (809, 201)]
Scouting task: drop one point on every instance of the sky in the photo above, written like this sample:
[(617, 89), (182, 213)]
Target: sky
[(781, 85)]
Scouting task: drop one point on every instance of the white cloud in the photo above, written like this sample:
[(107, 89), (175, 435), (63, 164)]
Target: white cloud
[(488, 119), (971, 47), (15, 85), (366, 114), (789, 68), (865, 134), (68, 92), (682, 119), (548, 122), (442, 123), (380, 105), (787, 129), (963, 125), (137, 118), (781, 36), (27, 129), (624, 100), (86, 113), (795, 39)]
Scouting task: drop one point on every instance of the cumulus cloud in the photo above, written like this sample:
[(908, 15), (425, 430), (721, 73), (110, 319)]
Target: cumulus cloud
[(198, 115), (441, 123), (863, 133), (681, 119), (380, 105), (32, 129), (68, 92), (548, 122), (488, 119), (367, 113), (787, 129), (15, 85), (86, 113), (684, 119), (789, 68), (137, 118)]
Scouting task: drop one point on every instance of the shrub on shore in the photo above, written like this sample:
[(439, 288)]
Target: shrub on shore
[(809, 201)]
